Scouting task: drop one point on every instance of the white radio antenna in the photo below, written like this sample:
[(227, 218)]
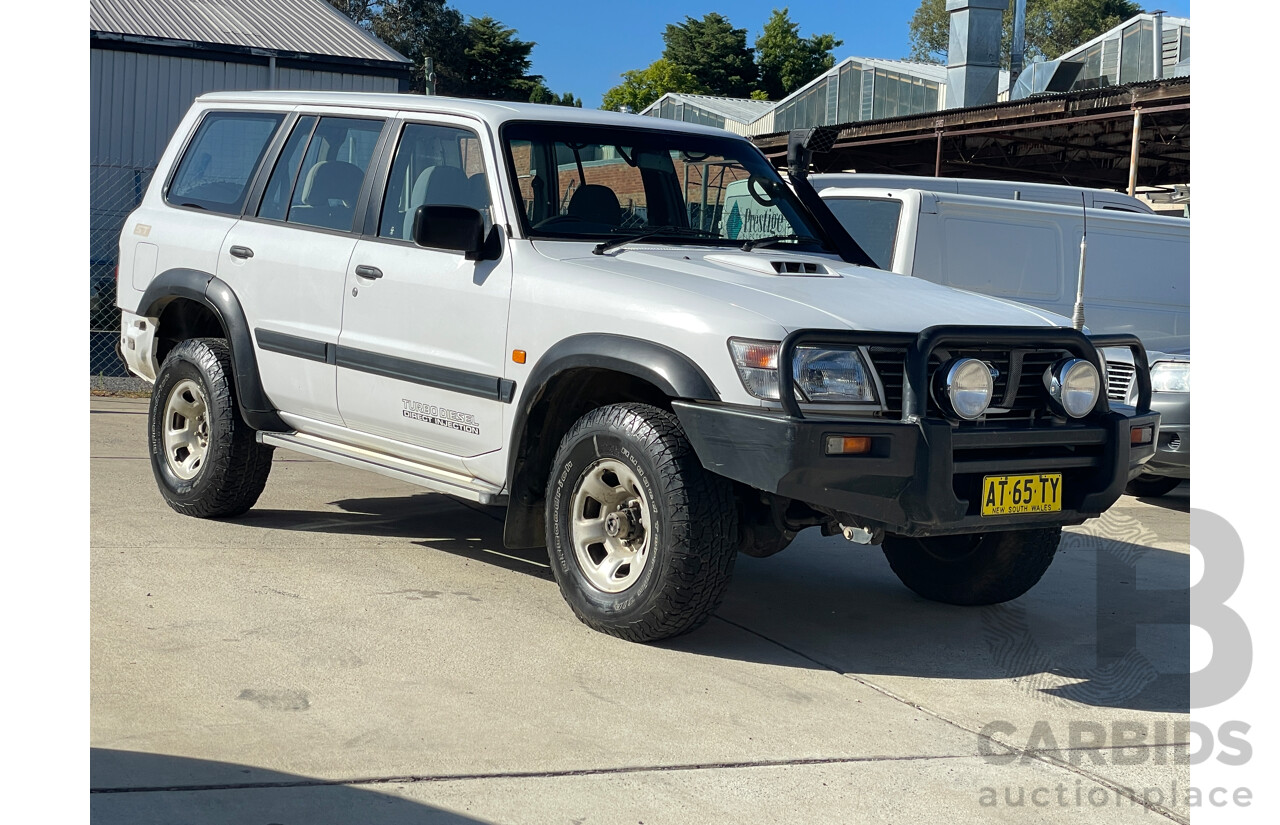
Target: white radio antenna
[(1077, 315)]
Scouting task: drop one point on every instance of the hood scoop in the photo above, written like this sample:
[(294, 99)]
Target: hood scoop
[(770, 265)]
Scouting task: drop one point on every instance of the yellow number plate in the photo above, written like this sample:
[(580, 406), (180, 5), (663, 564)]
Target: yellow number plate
[(1008, 495)]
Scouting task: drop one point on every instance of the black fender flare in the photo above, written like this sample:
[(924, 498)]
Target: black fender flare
[(216, 296), (667, 369)]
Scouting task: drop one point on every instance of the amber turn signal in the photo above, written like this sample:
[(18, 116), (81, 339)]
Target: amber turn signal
[(1139, 436), (518, 355), (848, 444)]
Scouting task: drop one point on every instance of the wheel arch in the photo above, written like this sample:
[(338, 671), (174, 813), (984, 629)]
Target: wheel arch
[(573, 377), (192, 303)]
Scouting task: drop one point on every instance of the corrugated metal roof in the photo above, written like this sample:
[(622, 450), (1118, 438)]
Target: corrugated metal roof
[(296, 26), (743, 110)]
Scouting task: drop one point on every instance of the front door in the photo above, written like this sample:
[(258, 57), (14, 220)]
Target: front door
[(421, 355)]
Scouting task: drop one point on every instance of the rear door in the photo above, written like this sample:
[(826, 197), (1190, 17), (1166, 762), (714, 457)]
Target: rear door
[(287, 259), (421, 356)]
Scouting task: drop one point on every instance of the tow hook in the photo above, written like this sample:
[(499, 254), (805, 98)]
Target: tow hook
[(862, 535)]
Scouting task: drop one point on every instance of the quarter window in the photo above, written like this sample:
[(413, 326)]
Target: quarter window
[(215, 170)]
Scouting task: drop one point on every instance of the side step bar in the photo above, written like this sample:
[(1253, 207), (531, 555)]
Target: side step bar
[(433, 478)]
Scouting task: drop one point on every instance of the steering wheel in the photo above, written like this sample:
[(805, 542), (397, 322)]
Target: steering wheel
[(755, 185)]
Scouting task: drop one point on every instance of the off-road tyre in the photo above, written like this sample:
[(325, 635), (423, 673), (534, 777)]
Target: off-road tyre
[(1148, 486), (987, 568), (234, 466), (688, 516)]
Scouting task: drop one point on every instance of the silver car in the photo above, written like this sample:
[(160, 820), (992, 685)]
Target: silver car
[(1171, 397)]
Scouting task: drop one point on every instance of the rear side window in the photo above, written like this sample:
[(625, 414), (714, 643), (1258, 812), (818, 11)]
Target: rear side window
[(328, 183), (275, 202), (215, 171)]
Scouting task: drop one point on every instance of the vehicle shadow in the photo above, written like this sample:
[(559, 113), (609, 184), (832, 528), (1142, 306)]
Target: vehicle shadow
[(130, 788), (1178, 499), (1108, 625), (434, 521)]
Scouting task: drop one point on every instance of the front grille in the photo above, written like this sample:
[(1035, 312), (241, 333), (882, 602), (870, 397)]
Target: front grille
[(1119, 380), (1023, 400)]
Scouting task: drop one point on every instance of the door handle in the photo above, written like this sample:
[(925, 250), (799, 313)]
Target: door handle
[(368, 271), (242, 252)]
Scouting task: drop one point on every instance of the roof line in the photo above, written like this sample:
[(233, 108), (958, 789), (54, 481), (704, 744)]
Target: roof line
[(115, 40)]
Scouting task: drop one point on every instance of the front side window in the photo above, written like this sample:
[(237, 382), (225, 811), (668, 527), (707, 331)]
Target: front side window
[(433, 166), (328, 182), (215, 171), (591, 182)]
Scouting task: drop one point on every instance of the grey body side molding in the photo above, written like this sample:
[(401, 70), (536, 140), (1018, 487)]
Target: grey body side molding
[(214, 294)]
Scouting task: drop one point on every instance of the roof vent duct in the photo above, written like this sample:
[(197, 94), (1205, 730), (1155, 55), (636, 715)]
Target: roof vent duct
[(973, 51)]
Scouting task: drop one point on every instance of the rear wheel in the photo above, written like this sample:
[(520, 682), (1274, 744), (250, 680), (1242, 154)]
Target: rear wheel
[(986, 568), (642, 539), (206, 460)]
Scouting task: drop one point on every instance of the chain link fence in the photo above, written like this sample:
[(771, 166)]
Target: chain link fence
[(114, 192)]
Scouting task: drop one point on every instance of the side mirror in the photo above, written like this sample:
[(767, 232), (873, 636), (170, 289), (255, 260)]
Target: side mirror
[(454, 228)]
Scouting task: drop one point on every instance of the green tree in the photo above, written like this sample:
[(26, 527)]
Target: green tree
[(714, 52), (1061, 25), (543, 94), (361, 11), (786, 60), (497, 65), (1053, 27), (425, 28), (640, 87)]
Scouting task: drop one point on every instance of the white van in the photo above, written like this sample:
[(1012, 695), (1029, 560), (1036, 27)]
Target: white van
[(1008, 190), (1137, 278), (1137, 274)]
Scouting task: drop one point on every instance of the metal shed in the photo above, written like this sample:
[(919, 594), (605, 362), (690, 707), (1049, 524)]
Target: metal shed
[(148, 59)]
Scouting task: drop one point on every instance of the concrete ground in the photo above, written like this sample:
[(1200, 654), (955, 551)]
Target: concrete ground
[(358, 650)]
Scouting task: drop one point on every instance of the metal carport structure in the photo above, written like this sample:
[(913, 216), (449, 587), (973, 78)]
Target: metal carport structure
[(1082, 138)]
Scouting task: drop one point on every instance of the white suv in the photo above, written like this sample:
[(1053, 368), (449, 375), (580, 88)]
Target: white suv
[(554, 309)]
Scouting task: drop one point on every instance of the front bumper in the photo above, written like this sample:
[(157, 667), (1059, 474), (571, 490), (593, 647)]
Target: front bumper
[(923, 475), (922, 478), (1173, 448)]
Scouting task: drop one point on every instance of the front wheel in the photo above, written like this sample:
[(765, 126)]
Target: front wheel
[(987, 568), (205, 458), (1149, 486), (642, 539)]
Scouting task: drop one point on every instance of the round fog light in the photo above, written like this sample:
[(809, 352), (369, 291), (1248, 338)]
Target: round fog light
[(967, 387), (1074, 386)]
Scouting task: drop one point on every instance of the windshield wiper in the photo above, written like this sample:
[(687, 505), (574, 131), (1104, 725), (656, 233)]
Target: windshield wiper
[(747, 246), (652, 232)]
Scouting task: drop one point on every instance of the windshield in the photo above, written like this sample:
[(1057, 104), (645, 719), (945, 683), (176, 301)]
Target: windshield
[(604, 183)]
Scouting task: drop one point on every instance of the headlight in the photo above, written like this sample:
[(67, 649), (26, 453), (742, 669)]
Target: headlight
[(1171, 376), (833, 376), (964, 387), (1074, 385)]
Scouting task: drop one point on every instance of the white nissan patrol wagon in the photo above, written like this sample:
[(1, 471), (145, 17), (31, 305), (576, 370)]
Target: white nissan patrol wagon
[(553, 310)]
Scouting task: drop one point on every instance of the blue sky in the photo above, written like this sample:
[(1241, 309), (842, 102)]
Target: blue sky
[(584, 46)]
